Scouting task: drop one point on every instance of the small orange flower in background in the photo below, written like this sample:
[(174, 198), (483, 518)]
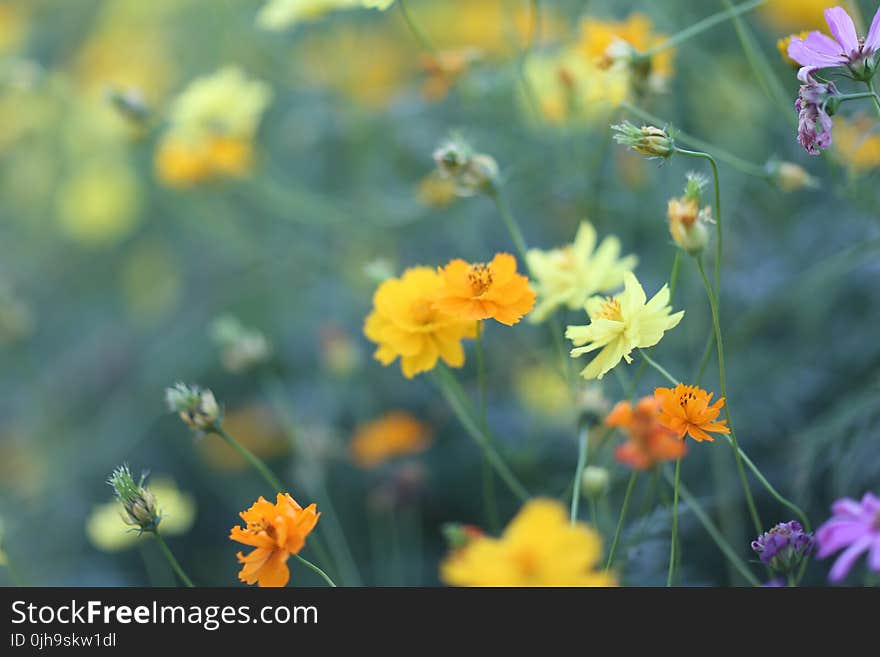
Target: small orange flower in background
[(276, 531), (394, 434), (688, 410), (443, 70), (486, 291), (649, 442)]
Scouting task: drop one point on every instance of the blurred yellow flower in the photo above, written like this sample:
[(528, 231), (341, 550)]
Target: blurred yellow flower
[(282, 14), (212, 124), (620, 324), (540, 547), (396, 433), (544, 390), (785, 15), (857, 142), (569, 275), (782, 46), (405, 323), (443, 70), (608, 44), (436, 190), (99, 203), (108, 533), (341, 355), (13, 26), (256, 427)]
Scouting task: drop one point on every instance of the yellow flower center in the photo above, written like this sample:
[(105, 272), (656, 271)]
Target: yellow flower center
[(527, 561), (480, 279), (610, 310), (422, 311), (686, 397)]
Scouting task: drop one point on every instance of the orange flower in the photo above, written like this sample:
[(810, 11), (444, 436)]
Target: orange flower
[(688, 410), (483, 291), (276, 531), (649, 441), (391, 435)]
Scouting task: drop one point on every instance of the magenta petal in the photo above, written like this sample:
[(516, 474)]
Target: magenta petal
[(846, 506), (821, 46), (837, 534), (872, 41), (848, 558), (871, 503), (843, 29), (874, 557)]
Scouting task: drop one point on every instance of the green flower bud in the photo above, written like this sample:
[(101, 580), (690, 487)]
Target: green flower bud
[(647, 140), (195, 406), (139, 506)]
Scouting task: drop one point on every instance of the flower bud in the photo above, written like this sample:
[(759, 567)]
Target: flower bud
[(196, 407), (687, 222), (790, 177), (459, 536), (473, 173), (647, 140), (784, 546), (592, 405), (241, 348), (594, 481), (139, 506)]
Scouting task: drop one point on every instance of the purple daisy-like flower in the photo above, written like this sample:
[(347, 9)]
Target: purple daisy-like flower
[(819, 50), (854, 526), (814, 119), (784, 546)]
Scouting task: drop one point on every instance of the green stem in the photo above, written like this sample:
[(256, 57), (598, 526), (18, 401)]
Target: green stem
[(716, 324), (489, 500), (718, 232), (657, 366), (874, 95), (674, 542), (457, 400), (701, 26), (716, 535), (623, 509), (312, 566), (583, 446), (746, 167), (418, 33), (169, 556), (252, 459), (513, 228)]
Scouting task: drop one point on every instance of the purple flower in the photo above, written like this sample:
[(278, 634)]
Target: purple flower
[(815, 99), (854, 526), (818, 50), (784, 546)]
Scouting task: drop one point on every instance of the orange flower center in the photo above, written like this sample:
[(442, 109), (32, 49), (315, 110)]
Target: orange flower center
[(422, 311), (610, 310), (686, 397), (480, 279), (527, 561)]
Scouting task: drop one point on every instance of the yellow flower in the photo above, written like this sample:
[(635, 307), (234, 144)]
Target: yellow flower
[(608, 43), (255, 426), (782, 46), (620, 324), (485, 291), (282, 14), (394, 434), (405, 323), (106, 531), (795, 14), (857, 142), (570, 275), (436, 191), (541, 389), (540, 547)]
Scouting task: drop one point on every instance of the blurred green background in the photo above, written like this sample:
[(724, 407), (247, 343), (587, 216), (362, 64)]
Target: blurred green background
[(110, 279)]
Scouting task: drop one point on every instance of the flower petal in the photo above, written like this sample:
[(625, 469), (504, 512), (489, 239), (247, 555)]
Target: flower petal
[(843, 29)]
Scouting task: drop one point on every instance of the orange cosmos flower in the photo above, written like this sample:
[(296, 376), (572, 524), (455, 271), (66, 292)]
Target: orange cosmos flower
[(394, 434), (483, 291), (649, 441), (276, 531), (688, 410)]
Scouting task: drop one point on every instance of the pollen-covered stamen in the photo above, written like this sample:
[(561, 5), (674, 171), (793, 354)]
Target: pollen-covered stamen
[(686, 396), (610, 310), (480, 279)]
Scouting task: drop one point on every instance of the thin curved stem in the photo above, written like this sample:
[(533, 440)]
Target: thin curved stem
[(169, 556), (623, 509), (718, 232), (417, 31), (512, 226), (253, 460), (309, 564), (657, 366), (673, 544), (874, 95), (583, 447), (489, 501)]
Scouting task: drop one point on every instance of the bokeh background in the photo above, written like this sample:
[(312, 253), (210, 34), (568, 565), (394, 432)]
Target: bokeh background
[(113, 273)]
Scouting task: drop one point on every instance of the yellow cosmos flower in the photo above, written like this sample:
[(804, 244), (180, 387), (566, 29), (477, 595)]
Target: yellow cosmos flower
[(282, 14), (485, 291), (620, 324), (795, 14), (570, 275), (406, 323), (857, 142), (540, 547), (394, 434)]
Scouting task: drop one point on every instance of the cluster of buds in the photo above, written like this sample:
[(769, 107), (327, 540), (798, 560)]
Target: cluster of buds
[(241, 348), (687, 220), (784, 546), (139, 506), (473, 173), (195, 406), (817, 102), (594, 482), (648, 140)]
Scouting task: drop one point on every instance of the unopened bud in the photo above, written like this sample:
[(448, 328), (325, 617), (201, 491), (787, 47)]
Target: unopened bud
[(790, 177), (139, 506), (473, 173), (197, 407), (687, 221), (594, 481), (648, 140), (241, 348), (459, 536)]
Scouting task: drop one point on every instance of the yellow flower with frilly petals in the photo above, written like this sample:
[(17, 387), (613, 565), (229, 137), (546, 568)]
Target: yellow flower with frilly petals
[(620, 324), (406, 323), (570, 275), (540, 547)]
